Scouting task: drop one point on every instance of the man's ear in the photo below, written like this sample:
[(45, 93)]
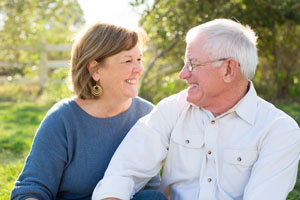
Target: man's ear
[(231, 70), (94, 72)]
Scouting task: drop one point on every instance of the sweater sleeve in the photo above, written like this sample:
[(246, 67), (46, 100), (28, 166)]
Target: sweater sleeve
[(45, 163)]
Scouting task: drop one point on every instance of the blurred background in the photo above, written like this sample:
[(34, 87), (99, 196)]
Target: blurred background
[(35, 44)]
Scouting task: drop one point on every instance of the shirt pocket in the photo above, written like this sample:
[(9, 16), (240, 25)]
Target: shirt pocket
[(185, 154), (237, 166), (189, 139), (241, 157)]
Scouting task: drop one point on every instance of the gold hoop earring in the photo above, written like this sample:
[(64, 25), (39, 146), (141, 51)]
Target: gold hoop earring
[(97, 90)]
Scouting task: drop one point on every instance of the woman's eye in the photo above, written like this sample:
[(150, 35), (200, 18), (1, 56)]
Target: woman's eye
[(128, 61)]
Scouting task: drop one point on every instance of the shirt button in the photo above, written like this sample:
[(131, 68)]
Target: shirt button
[(208, 152), (213, 122), (187, 141), (239, 159), (209, 180)]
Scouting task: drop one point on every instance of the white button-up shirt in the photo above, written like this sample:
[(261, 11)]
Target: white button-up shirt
[(251, 152)]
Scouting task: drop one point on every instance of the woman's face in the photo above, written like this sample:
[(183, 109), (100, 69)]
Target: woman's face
[(120, 74)]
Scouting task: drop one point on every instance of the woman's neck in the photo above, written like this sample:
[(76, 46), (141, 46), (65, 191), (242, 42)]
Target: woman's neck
[(102, 108)]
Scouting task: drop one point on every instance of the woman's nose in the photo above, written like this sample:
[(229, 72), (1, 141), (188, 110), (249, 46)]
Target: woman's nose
[(138, 68)]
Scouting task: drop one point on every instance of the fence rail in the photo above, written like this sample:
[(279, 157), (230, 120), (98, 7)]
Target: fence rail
[(44, 63), (19, 80)]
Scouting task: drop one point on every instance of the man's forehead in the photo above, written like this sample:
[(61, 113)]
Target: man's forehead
[(195, 51), (196, 42)]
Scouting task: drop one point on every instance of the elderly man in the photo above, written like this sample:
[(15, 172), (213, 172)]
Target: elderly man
[(217, 140)]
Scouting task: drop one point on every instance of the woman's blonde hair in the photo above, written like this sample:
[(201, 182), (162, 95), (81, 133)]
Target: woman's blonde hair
[(97, 43)]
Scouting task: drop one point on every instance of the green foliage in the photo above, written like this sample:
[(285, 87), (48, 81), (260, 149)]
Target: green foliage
[(293, 109), (169, 85), (34, 23), (19, 92), (58, 86), (25, 28), (277, 23)]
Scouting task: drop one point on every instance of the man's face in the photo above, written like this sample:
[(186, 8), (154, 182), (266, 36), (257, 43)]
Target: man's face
[(205, 82)]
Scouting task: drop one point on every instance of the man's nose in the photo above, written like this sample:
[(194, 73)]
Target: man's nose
[(184, 73)]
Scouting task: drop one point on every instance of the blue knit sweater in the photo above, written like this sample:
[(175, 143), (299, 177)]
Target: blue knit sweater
[(71, 151)]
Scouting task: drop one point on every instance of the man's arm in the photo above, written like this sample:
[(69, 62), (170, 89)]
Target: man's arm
[(140, 155), (274, 174)]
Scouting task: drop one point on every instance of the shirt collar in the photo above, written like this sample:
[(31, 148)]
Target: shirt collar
[(247, 106)]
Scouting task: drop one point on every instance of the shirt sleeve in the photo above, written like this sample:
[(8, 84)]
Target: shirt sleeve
[(154, 183), (140, 155), (274, 173), (45, 163)]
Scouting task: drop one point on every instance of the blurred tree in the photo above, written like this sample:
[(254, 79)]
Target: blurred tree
[(276, 22), (25, 23)]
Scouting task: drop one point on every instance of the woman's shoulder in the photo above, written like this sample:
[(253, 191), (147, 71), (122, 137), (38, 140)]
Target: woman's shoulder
[(61, 107), (56, 121), (141, 104)]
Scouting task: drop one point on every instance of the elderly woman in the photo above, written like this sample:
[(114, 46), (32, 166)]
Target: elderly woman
[(77, 138)]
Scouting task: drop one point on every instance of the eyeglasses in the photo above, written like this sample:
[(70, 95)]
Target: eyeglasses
[(192, 65)]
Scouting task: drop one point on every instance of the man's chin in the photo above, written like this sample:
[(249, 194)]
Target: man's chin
[(192, 101)]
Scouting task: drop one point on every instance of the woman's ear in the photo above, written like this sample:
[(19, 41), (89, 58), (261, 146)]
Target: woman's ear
[(93, 70), (231, 70)]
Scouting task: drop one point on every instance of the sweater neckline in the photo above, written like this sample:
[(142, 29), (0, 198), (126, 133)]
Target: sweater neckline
[(73, 102)]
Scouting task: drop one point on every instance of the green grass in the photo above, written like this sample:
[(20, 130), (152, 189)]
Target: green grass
[(18, 123)]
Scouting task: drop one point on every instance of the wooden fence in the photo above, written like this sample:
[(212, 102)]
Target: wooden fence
[(44, 63)]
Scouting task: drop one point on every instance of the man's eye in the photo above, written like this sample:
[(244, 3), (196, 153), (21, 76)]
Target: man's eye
[(139, 59), (128, 61)]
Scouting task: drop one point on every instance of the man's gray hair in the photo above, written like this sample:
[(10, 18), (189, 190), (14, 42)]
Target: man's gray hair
[(223, 38)]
